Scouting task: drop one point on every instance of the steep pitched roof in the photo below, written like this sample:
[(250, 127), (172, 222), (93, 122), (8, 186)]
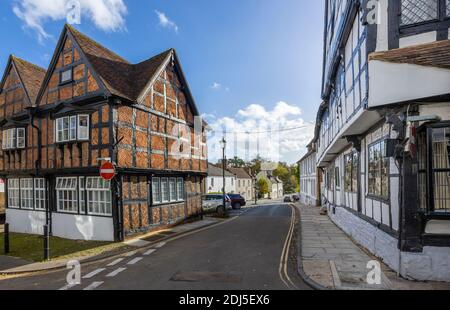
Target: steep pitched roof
[(120, 77), (433, 54), (240, 173), (31, 76)]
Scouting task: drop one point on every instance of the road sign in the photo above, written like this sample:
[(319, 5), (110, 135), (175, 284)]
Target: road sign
[(107, 171)]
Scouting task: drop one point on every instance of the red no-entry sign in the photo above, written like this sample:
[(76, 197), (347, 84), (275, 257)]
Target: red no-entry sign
[(107, 171)]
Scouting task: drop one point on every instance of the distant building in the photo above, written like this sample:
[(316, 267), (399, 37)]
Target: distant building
[(310, 177), (214, 182), (276, 189), (244, 183)]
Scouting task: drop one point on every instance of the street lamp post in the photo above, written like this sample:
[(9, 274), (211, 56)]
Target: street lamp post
[(223, 143)]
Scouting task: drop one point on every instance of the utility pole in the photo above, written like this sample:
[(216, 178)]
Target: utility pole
[(224, 145)]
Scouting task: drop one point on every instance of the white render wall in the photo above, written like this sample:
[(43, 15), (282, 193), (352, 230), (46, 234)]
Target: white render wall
[(215, 184), (68, 226), (433, 264)]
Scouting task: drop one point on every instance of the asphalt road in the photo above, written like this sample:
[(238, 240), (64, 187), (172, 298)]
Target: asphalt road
[(248, 252)]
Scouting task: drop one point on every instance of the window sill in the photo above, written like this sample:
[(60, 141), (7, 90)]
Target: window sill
[(378, 198)]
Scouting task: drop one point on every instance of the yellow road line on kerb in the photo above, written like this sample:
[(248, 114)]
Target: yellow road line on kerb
[(283, 268)]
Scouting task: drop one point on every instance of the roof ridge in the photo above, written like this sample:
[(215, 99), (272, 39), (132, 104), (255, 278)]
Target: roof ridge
[(13, 57), (76, 32), (153, 57)]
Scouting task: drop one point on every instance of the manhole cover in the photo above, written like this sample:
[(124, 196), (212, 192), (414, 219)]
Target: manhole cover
[(207, 277)]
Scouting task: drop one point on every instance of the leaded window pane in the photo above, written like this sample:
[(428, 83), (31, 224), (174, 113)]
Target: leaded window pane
[(418, 11)]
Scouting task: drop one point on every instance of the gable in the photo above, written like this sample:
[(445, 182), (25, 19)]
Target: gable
[(83, 83), (168, 95), (13, 99)]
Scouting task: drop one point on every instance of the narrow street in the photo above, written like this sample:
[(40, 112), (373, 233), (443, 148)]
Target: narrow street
[(246, 253)]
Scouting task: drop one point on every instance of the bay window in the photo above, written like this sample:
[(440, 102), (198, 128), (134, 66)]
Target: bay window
[(72, 128), (13, 138)]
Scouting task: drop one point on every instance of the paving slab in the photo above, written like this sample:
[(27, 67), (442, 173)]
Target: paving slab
[(331, 259)]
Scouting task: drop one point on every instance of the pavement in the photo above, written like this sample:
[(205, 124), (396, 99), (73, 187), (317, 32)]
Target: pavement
[(236, 254), (331, 260)]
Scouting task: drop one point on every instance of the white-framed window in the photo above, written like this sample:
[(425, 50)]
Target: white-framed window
[(13, 193), (39, 194), (82, 194), (156, 190), (83, 127), (98, 192), (165, 190), (26, 194), (20, 138), (180, 189), (13, 138), (173, 189), (66, 195), (72, 128)]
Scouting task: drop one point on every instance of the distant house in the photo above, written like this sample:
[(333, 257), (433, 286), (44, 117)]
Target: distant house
[(310, 177), (276, 190), (214, 182), (244, 183)]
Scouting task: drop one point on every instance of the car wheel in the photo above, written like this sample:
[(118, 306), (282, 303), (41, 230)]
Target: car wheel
[(221, 211), (236, 206)]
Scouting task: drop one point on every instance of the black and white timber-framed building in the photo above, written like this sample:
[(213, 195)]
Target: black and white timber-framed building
[(383, 130)]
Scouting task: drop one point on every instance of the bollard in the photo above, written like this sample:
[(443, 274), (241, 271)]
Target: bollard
[(46, 243), (6, 235)]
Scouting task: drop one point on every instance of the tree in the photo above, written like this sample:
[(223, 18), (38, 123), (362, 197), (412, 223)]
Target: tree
[(236, 162), (263, 187)]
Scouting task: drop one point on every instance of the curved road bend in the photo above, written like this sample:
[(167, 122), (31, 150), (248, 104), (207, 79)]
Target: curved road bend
[(247, 253)]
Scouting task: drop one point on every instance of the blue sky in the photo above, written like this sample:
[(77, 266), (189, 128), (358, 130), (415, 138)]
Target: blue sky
[(238, 55)]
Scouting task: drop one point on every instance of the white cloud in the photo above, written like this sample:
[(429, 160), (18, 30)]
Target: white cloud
[(218, 86), (107, 15), (165, 22), (277, 134)]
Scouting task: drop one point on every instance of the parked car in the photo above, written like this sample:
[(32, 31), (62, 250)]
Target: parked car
[(296, 198), (237, 201), (214, 204), (287, 199)]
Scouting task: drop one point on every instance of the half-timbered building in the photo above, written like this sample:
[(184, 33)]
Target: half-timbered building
[(310, 177), (89, 107), (383, 130)]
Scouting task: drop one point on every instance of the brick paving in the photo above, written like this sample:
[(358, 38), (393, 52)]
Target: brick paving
[(333, 260)]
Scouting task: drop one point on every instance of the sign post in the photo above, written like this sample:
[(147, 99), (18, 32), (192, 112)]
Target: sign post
[(107, 171)]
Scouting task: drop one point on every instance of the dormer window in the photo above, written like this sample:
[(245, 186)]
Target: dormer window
[(66, 76), (13, 138), (72, 128)]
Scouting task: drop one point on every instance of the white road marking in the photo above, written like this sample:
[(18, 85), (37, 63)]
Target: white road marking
[(159, 245), (93, 286), (135, 260), (115, 262), (93, 273), (67, 287), (151, 251), (115, 272), (129, 254)]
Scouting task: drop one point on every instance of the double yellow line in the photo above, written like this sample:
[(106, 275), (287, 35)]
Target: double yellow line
[(283, 270)]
